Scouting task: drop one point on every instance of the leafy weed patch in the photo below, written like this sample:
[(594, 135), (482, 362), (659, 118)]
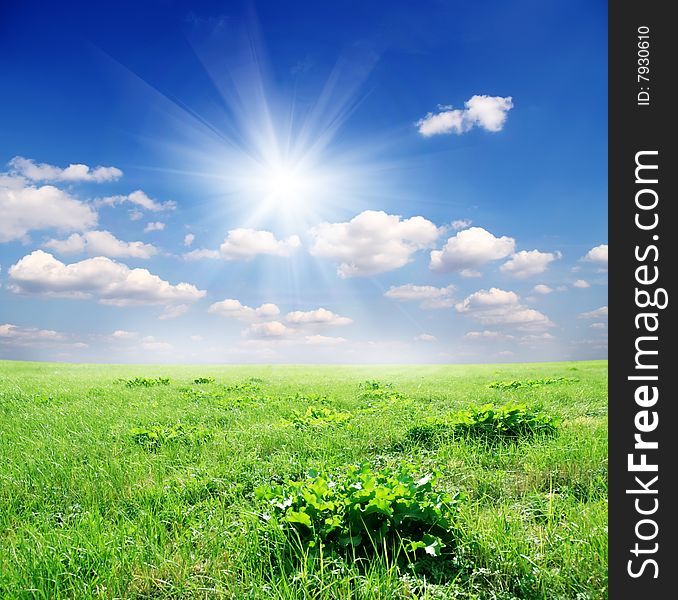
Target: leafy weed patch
[(517, 384), (247, 387), (152, 437), (381, 396), (486, 422), (147, 381), (362, 511), (510, 421), (203, 380), (319, 416)]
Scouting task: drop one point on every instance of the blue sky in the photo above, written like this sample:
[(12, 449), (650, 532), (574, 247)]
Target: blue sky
[(303, 182)]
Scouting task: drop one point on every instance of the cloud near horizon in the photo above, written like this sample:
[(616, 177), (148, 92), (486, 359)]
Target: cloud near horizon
[(501, 307)]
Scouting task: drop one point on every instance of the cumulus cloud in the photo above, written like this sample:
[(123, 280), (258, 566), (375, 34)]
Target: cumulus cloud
[(597, 255), (235, 310), (429, 296), (244, 244), (26, 208), (486, 112), (469, 249), (154, 226), (543, 289), (526, 263), (101, 243), (500, 307), (28, 168), (268, 329), (320, 316), (581, 283), (189, 239), (599, 313), (372, 242), (100, 278), (140, 199)]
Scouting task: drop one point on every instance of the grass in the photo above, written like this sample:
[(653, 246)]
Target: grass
[(109, 490)]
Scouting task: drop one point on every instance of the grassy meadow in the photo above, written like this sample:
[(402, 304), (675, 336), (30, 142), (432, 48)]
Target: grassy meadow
[(134, 481)]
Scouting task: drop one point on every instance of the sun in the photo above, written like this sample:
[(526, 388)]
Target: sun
[(286, 188), (287, 183)]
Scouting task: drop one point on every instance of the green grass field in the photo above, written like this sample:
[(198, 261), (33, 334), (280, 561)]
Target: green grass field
[(110, 490)]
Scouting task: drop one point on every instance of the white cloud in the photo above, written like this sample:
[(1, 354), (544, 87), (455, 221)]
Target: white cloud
[(196, 338), (25, 208), (200, 253), (581, 283), (320, 316), (428, 295), (154, 226), (540, 337), (268, 329), (236, 310), (487, 335), (189, 239), (425, 337), (324, 340), (173, 311), (372, 242), (28, 336), (489, 112), (121, 334), (541, 288), (74, 172), (150, 343), (140, 199), (598, 325), (108, 281), (469, 249), (244, 244), (486, 112), (597, 255), (500, 307), (101, 243), (599, 313), (526, 263), (460, 224)]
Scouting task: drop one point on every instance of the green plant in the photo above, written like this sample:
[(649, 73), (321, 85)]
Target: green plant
[(366, 511), (153, 437), (381, 395), (245, 387), (147, 381), (203, 380), (319, 416), (505, 422), (517, 384)]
